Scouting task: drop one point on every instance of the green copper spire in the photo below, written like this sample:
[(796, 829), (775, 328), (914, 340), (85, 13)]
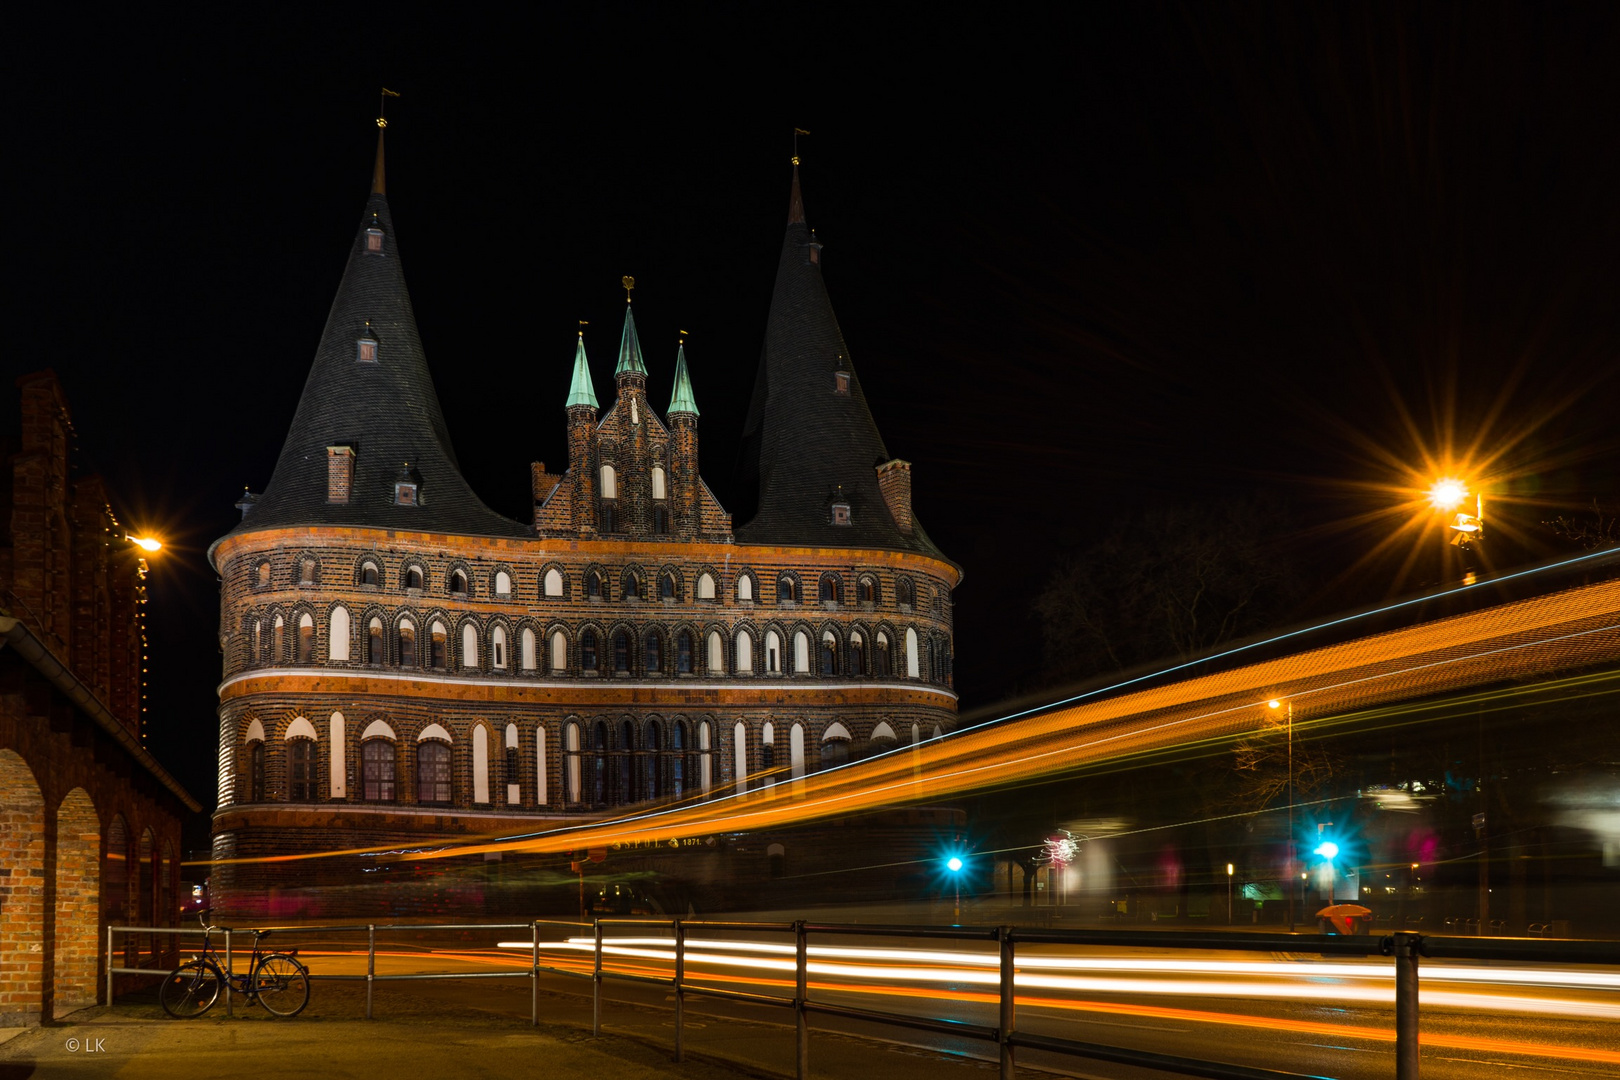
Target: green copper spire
[(682, 401), (581, 392), (630, 349)]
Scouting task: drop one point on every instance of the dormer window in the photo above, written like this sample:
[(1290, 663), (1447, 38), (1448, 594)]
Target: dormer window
[(407, 487), (841, 383), (840, 513), (374, 239), (366, 347)]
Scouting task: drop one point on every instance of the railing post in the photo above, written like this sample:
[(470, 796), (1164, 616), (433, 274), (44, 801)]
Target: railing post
[(1009, 1000), (371, 963), (1407, 947), (230, 1003), (801, 994), (534, 980), (109, 965), (596, 985), (680, 991)]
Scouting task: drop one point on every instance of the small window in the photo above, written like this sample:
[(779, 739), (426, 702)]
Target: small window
[(437, 647), (497, 642), (306, 639), (880, 656), (867, 590), (554, 582), (683, 653), (632, 587), (458, 583), (407, 487), (407, 644), (374, 643), (829, 653), (587, 650), (904, 592), (787, 590), (609, 516), (370, 576), (857, 654), (306, 572), (841, 383), (666, 587), (654, 651), (264, 575), (256, 772), (621, 652), (301, 770), (705, 587), (374, 239), (658, 481), (366, 347), (377, 770), (413, 578), (432, 772), (503, 583), (840, 513), (745, 587), (610, 483), (660, 520), (593, 585), (831, 590)]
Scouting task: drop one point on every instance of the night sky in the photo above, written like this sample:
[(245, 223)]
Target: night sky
[(1088, 260)]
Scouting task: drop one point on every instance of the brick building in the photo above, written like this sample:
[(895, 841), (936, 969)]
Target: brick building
[(89, 821), (402, 663)]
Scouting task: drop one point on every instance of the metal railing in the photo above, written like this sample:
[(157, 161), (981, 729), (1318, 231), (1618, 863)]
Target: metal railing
[(1405, 948)]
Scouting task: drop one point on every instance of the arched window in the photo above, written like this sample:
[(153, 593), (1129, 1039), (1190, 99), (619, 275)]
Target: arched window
[(438, 646), (632, 585), (407, 643), (610, 483), (739, 746), (377, 770), (676, 759), (599, 765), (787, 590), (554, 582), (263, 572), (337, 634), (658, 481), (256, 771), (432, 772), (497, 648), (542, 774), (868, 590), (469, 646), (666, 586), (306, 639), (512, 773), (374, 640), (306, 571), (480, 764), (526, 645), (745, 587), (413, 578), (503, 583), (370, 576), (609, 505), (829, 653), (587, 650), (912, 669), (705, 760), (593, 586), (834, 752), (705, 586), (683, 653), (652, 763), (621, 651), (278, 640), (301, 770), (338, 751), (653, 648), (257, 645), (624, 764), (880, 656), (831, 590), (857, 654), (559, 651), (458, 582), (767, 753), (660, 519), (745, 653), (796, 751), (717, 656), (773, 652), (904, 592), (801, 653), (571, 762)]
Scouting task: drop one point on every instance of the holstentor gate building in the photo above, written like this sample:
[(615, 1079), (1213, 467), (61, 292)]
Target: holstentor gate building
[(403, 663)]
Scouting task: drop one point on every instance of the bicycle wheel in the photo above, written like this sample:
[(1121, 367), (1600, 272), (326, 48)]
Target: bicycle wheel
[(189, 990), (281, 984)]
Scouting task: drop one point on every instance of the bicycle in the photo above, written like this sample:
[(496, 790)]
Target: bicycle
[(277, 980)]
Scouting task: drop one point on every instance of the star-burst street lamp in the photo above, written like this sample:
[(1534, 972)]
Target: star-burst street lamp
[(1451, 496)]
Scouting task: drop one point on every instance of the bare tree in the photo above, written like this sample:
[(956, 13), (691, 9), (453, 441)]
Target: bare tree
[(1587, 531)]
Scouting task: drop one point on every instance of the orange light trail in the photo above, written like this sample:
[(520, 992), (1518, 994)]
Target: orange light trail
[(1528, 638)]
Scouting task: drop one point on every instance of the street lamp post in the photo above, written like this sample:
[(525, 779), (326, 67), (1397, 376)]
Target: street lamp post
[(1275, 704), (1329, 851), (1228, 894), (1465, 530), (954, 865)]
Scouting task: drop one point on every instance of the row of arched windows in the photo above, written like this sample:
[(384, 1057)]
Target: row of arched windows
[(832, 650), (630, 583)]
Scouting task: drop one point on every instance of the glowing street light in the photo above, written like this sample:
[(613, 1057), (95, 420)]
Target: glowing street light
[(1329, 851), (1448, 495), (954, 864), (145, 543)]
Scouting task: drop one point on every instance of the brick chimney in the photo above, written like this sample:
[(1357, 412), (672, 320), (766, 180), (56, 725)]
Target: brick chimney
[(339, 474), (894, 481)]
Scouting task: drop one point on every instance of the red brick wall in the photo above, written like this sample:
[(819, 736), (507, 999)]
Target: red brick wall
[(78, 900)]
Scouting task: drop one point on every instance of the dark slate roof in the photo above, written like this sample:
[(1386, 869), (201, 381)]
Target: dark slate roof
[(388, 411), (805, 444)]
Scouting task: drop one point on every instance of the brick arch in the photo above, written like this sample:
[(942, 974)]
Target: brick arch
[(22, 857), (145, 879), (78, 901)]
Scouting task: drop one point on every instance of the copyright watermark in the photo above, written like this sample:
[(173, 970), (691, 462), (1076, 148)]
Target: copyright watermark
[(86, 1046)]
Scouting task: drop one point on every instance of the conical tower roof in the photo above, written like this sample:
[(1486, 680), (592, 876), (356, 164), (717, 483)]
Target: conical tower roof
[(581, 391), (630, 348), (810, 439), (682, 400), (385, 409)]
